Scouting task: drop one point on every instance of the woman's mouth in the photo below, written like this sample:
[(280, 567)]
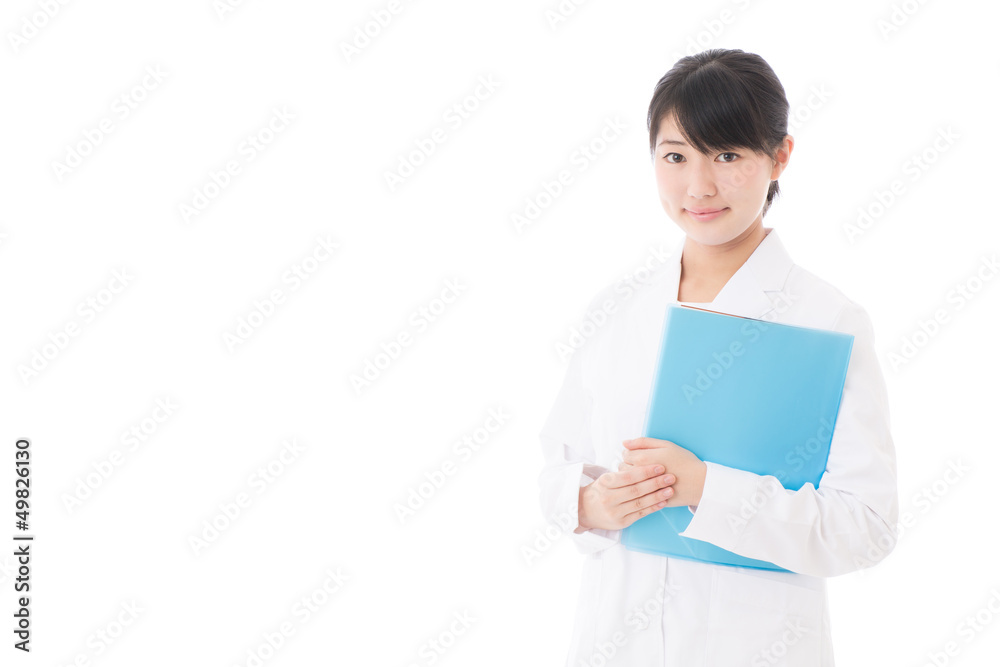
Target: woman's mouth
[(706, 214)]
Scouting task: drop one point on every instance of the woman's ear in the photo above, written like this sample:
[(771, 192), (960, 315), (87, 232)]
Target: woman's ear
[(781, 156)]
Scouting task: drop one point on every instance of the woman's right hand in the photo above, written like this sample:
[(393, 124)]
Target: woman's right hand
[(618, 499)]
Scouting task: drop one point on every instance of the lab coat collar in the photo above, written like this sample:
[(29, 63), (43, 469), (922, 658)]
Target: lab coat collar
[(746, 293)]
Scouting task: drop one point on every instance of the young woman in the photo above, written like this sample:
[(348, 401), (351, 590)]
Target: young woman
[(718, 138)]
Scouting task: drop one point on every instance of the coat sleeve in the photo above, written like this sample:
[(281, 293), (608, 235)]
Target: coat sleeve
[(848, 522), (568, 450)]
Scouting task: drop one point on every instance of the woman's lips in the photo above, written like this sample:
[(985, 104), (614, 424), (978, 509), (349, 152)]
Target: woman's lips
[(706, 216)]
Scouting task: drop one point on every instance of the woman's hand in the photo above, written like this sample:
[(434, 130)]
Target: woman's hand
[(617, 499), (688, 468)]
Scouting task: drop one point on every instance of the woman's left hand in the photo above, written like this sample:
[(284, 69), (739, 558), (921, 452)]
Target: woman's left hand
[(687, 468)]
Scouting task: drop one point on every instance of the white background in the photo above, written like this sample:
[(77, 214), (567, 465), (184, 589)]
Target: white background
[(886, 96)]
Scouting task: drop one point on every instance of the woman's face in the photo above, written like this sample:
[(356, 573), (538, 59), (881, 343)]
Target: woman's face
[(735, 183)]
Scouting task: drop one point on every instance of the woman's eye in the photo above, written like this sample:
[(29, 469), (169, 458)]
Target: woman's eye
[(668, 156)]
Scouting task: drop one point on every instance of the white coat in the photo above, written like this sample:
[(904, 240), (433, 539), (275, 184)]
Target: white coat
[(644, 610)]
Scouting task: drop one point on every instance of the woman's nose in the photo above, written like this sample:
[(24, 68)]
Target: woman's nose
[(700, 183)]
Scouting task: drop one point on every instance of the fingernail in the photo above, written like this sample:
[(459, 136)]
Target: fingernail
[(659, 469)]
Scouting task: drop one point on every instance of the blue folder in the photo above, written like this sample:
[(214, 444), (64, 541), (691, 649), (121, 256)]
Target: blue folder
[(745, 393)]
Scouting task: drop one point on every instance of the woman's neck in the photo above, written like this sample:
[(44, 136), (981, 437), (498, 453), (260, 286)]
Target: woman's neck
[(706, 269)]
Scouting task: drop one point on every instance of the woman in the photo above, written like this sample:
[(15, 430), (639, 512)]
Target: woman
[(718, 138)]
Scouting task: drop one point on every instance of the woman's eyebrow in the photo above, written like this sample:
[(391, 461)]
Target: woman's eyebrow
[(671, 141)]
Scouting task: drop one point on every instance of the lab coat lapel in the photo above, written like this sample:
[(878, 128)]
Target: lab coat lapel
[(746, 292)]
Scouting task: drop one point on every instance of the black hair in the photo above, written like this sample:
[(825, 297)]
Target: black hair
[(722, 99)]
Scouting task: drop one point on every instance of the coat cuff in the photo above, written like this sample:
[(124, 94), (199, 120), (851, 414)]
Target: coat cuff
[(717, 516)]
